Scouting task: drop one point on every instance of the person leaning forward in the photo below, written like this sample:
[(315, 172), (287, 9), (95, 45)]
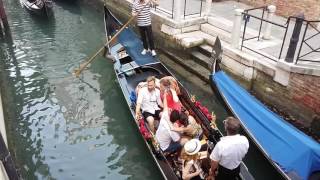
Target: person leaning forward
[(169, 140), (149, 101), (229, 152)]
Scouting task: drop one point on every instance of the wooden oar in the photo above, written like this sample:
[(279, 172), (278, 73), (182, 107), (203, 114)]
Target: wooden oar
[(78, 71)]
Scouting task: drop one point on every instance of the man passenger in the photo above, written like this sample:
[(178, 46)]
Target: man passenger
[(149, 101)]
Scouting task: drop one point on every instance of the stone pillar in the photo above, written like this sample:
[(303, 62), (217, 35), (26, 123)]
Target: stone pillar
[(236, 30), (208, 7), (267, 31), (178, 10)]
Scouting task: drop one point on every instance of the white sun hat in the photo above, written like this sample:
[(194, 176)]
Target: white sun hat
[(192, 147)]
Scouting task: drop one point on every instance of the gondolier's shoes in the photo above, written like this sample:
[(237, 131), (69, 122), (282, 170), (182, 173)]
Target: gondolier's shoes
[(153, 52), (144, 52)]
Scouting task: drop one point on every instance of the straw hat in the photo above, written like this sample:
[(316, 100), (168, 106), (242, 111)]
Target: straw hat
[(192, 147)]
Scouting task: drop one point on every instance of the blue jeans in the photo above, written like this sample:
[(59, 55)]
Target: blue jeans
[(173, 147)]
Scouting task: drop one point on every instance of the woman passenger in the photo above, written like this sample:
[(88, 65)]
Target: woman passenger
[(191, 165)]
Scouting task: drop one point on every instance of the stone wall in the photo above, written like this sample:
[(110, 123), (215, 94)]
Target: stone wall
[(311, 8)]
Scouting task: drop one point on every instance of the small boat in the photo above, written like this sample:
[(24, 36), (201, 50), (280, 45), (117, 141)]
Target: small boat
[(38, 7), (131, 68), (295, 155)]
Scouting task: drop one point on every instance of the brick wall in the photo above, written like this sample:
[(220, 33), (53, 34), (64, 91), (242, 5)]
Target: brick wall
[(311, 8), (300, 99), (305, 90)]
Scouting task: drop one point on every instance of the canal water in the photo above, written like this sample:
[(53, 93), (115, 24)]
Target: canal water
[(62, 127)]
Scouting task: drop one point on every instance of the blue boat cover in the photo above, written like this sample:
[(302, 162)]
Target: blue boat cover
[(295, 152), (133, 46)]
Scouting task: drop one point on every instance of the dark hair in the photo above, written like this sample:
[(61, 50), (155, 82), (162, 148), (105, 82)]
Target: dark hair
[(184, 119), (174, 116), (232, 125)]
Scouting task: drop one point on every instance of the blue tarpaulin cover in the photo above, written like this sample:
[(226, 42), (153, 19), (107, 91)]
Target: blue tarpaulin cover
[(133, 46), (288, 147)]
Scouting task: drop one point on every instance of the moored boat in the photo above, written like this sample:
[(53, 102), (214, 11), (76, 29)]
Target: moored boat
[(38, 7), (132, 68), (295, 155)]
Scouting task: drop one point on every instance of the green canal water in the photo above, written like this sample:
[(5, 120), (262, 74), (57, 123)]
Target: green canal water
[(61, 127)]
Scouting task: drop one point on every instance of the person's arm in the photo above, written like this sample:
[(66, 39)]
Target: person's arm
[(215, 158), (134, 9), (138, 106), (155, 2), (179, 129), (159, 101), (214, 166), (174, 95), (186, 172), (165, 103)]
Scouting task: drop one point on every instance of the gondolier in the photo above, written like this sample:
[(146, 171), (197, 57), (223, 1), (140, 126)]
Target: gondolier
[(229, 152), (144, 23)]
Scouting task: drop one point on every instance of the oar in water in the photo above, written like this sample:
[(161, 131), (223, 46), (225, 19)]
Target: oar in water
[(78, 71)]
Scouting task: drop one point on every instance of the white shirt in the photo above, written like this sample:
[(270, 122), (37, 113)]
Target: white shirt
[(164, 135), (149, 100), (230, 151)]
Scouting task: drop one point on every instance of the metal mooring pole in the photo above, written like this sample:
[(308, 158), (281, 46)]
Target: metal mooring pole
[(294, 38), (4, 25)]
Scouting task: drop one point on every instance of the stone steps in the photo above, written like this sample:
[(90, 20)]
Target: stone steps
[(215, 31), (190, 65), (201, 58)]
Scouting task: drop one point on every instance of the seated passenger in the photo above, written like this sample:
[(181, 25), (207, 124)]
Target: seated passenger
[(194, 129), (172, 97), (149, 101), (169, 140), (187, 125), (191, 165)]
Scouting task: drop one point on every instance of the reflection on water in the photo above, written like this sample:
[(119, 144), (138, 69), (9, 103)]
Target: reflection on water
[(60, 127)]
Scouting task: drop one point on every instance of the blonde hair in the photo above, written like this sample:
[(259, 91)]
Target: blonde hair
[(151, 78)]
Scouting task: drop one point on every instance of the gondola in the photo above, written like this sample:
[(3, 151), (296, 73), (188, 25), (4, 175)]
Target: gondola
[(295, 155), (38, 7), (131, 68)]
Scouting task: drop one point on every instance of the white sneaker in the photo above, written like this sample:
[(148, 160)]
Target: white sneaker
[(153, 52), (144, 52)]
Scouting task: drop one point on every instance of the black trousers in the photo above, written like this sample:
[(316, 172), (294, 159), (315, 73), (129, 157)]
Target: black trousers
[(227, 174), (147, 37)]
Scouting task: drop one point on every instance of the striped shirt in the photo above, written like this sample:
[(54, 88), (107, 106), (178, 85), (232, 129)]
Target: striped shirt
[(144, 17)]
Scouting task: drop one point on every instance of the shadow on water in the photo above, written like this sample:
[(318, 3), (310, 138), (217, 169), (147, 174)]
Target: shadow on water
[(13, 106), (73, 6), (45, 24)]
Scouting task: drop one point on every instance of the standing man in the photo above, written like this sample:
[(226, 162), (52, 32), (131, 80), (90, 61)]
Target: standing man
[(144, 23), (149, 101), (229, 152)]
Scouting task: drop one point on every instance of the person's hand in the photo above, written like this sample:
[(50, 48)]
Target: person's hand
[(138, 116), (134, 14), (199, 170)]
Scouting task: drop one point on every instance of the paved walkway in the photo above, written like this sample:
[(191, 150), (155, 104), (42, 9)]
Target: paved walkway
[(225, 10)]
